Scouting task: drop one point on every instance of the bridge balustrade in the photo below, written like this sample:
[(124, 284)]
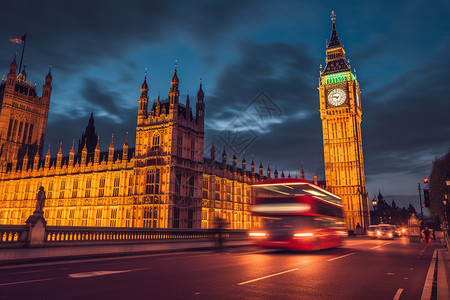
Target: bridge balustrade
[(16, 235)]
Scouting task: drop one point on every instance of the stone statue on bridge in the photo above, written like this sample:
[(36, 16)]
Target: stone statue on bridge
[(40, 197)]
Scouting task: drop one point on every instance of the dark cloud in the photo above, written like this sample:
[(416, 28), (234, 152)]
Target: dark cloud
[(287, 73), (73, 35), (407, 120)]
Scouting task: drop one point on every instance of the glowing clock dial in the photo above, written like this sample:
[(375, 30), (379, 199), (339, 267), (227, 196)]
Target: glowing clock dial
[(336, 97)]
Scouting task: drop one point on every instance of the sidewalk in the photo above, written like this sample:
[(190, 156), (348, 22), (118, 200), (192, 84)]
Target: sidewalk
[(32, 255)]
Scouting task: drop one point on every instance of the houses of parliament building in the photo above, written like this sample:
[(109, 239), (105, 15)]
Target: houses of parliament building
[(164, 181)]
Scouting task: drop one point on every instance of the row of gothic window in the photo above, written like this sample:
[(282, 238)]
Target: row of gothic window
[(19, 131)]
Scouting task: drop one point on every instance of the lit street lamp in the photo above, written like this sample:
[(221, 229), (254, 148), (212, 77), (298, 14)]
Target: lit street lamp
[(446, 194), (374, 203)]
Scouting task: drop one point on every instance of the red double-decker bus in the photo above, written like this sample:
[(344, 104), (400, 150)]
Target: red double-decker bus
[(297, 214)]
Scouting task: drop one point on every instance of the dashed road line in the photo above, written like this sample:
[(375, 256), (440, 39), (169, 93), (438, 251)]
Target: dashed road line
[(27, 281), (101, 273), (342, 256), (397, 295), (268, 276)]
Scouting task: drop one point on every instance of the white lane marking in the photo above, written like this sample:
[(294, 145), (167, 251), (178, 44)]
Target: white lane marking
[(442, 283), (391, 274), (272, 275), (20, 282), (397, 295), (100, 273), (375, 247), (34, 271), (387, 243), (427, 288), (342, 256)]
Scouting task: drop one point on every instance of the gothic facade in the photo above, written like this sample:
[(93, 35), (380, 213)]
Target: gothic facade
[(23, 115), (341, 114), (164, 182)]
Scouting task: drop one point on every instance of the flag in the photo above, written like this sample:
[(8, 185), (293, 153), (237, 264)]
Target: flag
[(18, 40)]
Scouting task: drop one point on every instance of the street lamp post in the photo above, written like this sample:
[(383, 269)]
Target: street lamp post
[(420, 199), (375, 213)]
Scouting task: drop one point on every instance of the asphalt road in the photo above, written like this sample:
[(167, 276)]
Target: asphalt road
[(361, 269)]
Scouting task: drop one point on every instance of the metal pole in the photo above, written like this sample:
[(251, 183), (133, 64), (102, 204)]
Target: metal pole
[(23, 50), (420, 199)]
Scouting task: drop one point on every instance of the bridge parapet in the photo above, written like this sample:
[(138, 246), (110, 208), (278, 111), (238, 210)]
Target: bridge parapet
[(16, 235), (13, 236)]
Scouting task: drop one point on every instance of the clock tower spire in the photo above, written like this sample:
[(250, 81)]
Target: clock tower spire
[(341, 114)]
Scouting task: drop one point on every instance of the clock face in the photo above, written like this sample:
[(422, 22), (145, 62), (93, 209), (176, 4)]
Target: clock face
[(336, 97)]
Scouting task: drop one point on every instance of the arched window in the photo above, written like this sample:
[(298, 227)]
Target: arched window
[(156, 141), (180, 145)]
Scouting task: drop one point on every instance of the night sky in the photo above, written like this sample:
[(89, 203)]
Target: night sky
[(99, 52)]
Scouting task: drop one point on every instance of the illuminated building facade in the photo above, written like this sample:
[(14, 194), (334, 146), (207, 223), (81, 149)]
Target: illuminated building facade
[(164, 182), (340, 111), (23, 115)]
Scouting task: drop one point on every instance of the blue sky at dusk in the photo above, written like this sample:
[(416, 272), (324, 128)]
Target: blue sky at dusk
[(99, 52)]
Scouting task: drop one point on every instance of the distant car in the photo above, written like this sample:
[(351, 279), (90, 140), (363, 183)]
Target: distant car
[(372, 231), (385, 232), (402, 231)]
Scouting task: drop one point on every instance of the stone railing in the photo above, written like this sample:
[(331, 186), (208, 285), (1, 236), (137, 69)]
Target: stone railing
[(13, 235), (17, 235)]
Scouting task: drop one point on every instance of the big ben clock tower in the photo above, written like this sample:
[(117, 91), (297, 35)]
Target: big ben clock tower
[(340, 111)]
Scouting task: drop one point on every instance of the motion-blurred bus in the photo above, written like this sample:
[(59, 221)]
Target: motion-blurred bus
[(296, 214)]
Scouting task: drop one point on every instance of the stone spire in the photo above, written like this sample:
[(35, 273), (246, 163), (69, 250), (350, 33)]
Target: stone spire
[(174, 93), (143, 100), (335, 62), (111, 151)]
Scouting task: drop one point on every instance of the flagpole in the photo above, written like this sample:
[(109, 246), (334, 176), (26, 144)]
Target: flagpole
[(23, 50)]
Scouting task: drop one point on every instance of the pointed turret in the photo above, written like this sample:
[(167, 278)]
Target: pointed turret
[(244, 163), (47, 158), (224, 158), (188, 108), (89, 137), (213, 154), (174, 93), (11, 77), (13, 66), (143, 100), (302, 173), (276, 173), (335, 62), (252, 166), (72, 154), (261, 170), (315, 176), (282, 174), (158, 107), (47, 88), (84, 153), (36, 161), (59, 156), (125, 149), (97, 152), (268, 170), (111, 151), (200, 107)]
